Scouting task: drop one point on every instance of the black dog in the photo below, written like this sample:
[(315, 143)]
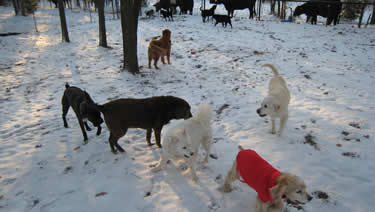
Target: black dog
[(149, 13), (167, 14), (84, 108), (207, 13), (149, 113), (223, 19)]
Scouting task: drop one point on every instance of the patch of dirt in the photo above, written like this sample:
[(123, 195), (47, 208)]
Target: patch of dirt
[(320, 195), (100, 194), (309, 139), (345, 133), (355, 125), (351, 154), (294, 205), (147, 194), (222, 108), (68, 170)]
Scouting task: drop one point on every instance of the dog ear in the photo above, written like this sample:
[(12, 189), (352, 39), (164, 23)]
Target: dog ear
[(276, 107), (280, 188)]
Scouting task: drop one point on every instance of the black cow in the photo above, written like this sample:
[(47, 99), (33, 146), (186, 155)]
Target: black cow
[(185, 6), (231, 5), (312, 9), (166, 4)]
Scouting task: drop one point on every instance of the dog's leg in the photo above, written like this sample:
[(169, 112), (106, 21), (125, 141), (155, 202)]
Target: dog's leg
[(110, 141), (157, 132), (169, 56), (81, 124), (113, 139), (87, 126), (162, 59), (231, 177), (149, 58), (148, 136), (163, 161), (260, 206), (99, 130), (156, 62), (190, 163), (273, 130), (65, 109), (207, 147), (283, 121)]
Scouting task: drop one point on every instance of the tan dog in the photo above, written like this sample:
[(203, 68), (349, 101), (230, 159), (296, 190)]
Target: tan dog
[(270, 184), (275, 104), (160, 48)]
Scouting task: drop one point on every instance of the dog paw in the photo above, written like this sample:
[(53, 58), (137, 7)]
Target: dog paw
[(195, 178), (227, 188)]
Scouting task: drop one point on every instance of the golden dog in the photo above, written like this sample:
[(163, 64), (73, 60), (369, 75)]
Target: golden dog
[(160, 48), (270, 184)]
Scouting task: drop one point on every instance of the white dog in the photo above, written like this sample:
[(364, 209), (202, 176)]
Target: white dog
[(276, 103), (183, 140)]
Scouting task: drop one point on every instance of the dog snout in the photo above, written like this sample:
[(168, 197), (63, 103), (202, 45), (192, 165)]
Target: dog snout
[(188, 115), (309, 197), (259, 111)]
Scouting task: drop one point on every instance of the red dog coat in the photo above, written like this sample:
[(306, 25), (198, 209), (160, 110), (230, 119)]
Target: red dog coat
[(257, 173)]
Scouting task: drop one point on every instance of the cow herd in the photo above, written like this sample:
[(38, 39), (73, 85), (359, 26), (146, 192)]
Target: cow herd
[(329, 9)]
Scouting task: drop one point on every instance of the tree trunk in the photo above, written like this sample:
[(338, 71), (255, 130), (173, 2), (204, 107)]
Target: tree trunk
[(64, 28), (102, 31), (78, 4), (17, 6), (361, 16), (23, 9), (278, 8), (117, 9), (36, 28), (373, 15), (129, 25), (283, 10), (273, 4)]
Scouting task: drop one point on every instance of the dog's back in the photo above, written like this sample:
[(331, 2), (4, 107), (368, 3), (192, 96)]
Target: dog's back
[(143, 113), (277, 84), (224, 19), (257, 173)]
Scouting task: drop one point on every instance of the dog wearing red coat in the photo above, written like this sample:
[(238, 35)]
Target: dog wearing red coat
[(270, 184)]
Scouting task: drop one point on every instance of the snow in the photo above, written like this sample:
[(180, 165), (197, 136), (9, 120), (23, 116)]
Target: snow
[(329, 72)]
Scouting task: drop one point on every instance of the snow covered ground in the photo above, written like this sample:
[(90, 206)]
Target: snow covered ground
[(328, 141)]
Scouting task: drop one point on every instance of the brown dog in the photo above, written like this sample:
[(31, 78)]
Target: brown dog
[(270, 184), (160, 48)]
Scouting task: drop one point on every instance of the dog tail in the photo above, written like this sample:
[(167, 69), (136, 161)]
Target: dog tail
[(204, 113), (274, 70), (240, 148), (67, 85)]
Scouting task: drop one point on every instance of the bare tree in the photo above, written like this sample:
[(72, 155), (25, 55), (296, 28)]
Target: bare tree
[(64, 28), (373, 14), (102, 31), (129, 24), (17, 6)]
